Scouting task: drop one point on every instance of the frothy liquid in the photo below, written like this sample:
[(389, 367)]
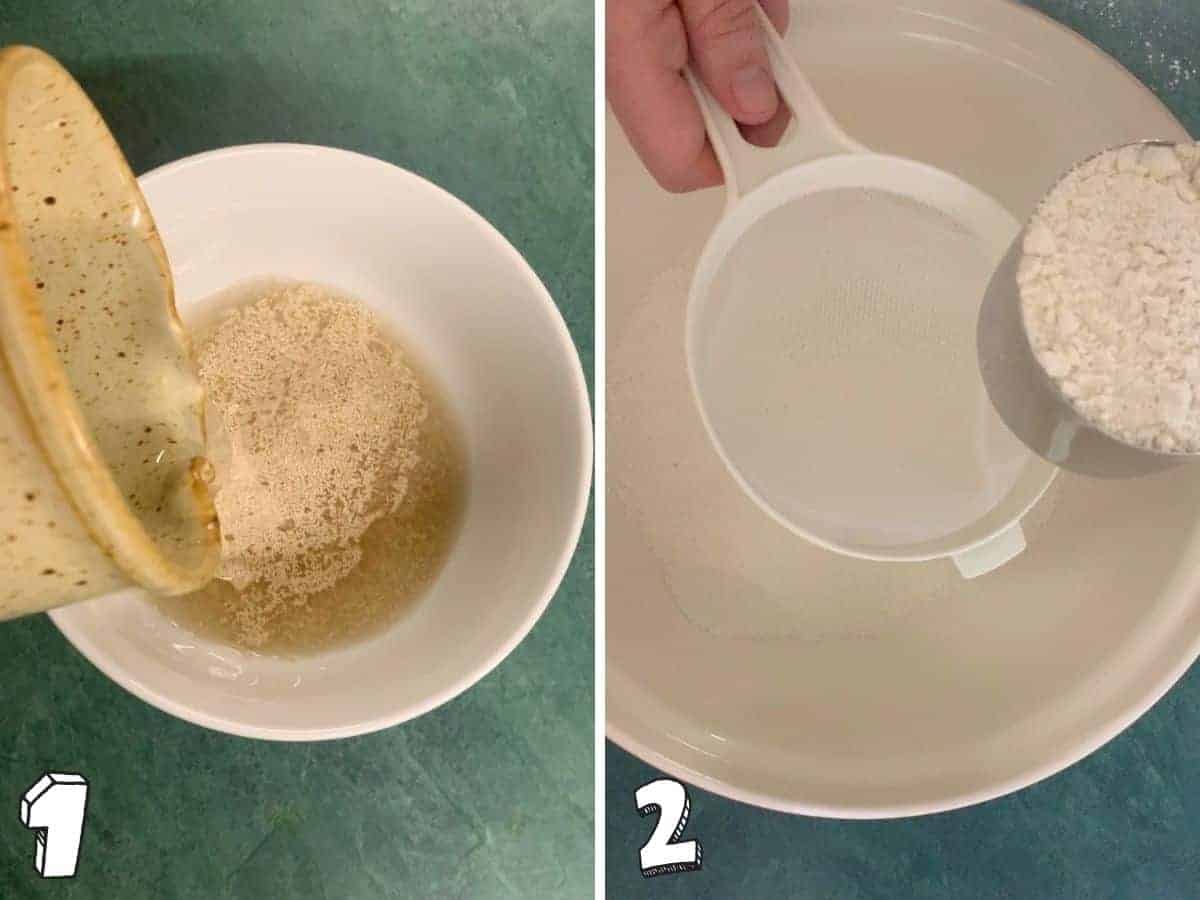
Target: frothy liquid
[(340, 474)]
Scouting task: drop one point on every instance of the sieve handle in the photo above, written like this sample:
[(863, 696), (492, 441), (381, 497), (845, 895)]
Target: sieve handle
[(998, 550), (813, 134)]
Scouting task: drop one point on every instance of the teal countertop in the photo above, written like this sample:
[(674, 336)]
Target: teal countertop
[(490, 795), (1123, 824)]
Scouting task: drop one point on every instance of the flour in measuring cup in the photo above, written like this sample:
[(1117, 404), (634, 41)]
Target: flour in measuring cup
[(1110, 293)]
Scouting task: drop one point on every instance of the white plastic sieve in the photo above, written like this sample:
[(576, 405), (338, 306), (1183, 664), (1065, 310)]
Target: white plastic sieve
[(831, 344)]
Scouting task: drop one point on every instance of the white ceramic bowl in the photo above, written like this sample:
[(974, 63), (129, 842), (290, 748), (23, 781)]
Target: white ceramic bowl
[(751, 663), (485, 326)]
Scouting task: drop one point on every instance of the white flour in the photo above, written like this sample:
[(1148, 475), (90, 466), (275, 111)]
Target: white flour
[(1110, 290)]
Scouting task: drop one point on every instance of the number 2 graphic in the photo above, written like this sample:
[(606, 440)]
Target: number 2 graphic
[(54, 808), (661, 854)]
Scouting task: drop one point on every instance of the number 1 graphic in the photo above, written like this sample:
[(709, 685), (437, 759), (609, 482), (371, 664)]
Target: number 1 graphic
[(54, 808)]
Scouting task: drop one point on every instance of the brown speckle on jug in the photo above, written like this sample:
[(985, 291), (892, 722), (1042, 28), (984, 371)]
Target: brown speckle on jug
[(49, 201)]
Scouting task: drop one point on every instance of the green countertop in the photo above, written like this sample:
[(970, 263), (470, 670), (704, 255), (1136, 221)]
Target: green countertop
[(490, 795), (1123, 824)]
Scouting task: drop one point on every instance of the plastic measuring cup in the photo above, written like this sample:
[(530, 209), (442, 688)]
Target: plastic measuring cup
[(1030, 403), (831, 344), (102, 468)]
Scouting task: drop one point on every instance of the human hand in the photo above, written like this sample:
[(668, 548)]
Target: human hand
[(649, 42)]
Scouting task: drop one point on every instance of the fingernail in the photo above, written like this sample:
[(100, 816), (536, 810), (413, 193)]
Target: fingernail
[(754, 91)]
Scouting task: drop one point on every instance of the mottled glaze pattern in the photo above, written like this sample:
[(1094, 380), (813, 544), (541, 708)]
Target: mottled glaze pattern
[(101, 430), (47, 556)]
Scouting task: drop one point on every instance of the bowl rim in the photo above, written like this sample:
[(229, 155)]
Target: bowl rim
[(117, 672), (43, 386)]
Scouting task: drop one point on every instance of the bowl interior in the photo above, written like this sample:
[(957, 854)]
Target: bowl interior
[(483, 326)]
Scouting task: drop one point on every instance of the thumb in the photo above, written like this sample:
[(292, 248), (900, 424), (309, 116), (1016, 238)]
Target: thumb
[(728, 49)]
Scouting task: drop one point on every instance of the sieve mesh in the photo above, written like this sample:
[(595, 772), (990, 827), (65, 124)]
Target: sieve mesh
[(839, 369)]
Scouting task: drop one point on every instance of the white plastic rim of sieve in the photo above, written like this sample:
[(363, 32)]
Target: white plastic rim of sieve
[(759, 446)]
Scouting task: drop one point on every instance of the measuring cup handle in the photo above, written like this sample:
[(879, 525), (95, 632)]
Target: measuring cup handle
[(1000, 549), (813, 134)]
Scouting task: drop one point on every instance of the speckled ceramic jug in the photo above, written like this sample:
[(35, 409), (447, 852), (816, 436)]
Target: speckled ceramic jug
[(102, 469)]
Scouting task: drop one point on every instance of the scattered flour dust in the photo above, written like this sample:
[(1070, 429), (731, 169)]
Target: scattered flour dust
[(319, 428), (1110, 293), (1150, 38)]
